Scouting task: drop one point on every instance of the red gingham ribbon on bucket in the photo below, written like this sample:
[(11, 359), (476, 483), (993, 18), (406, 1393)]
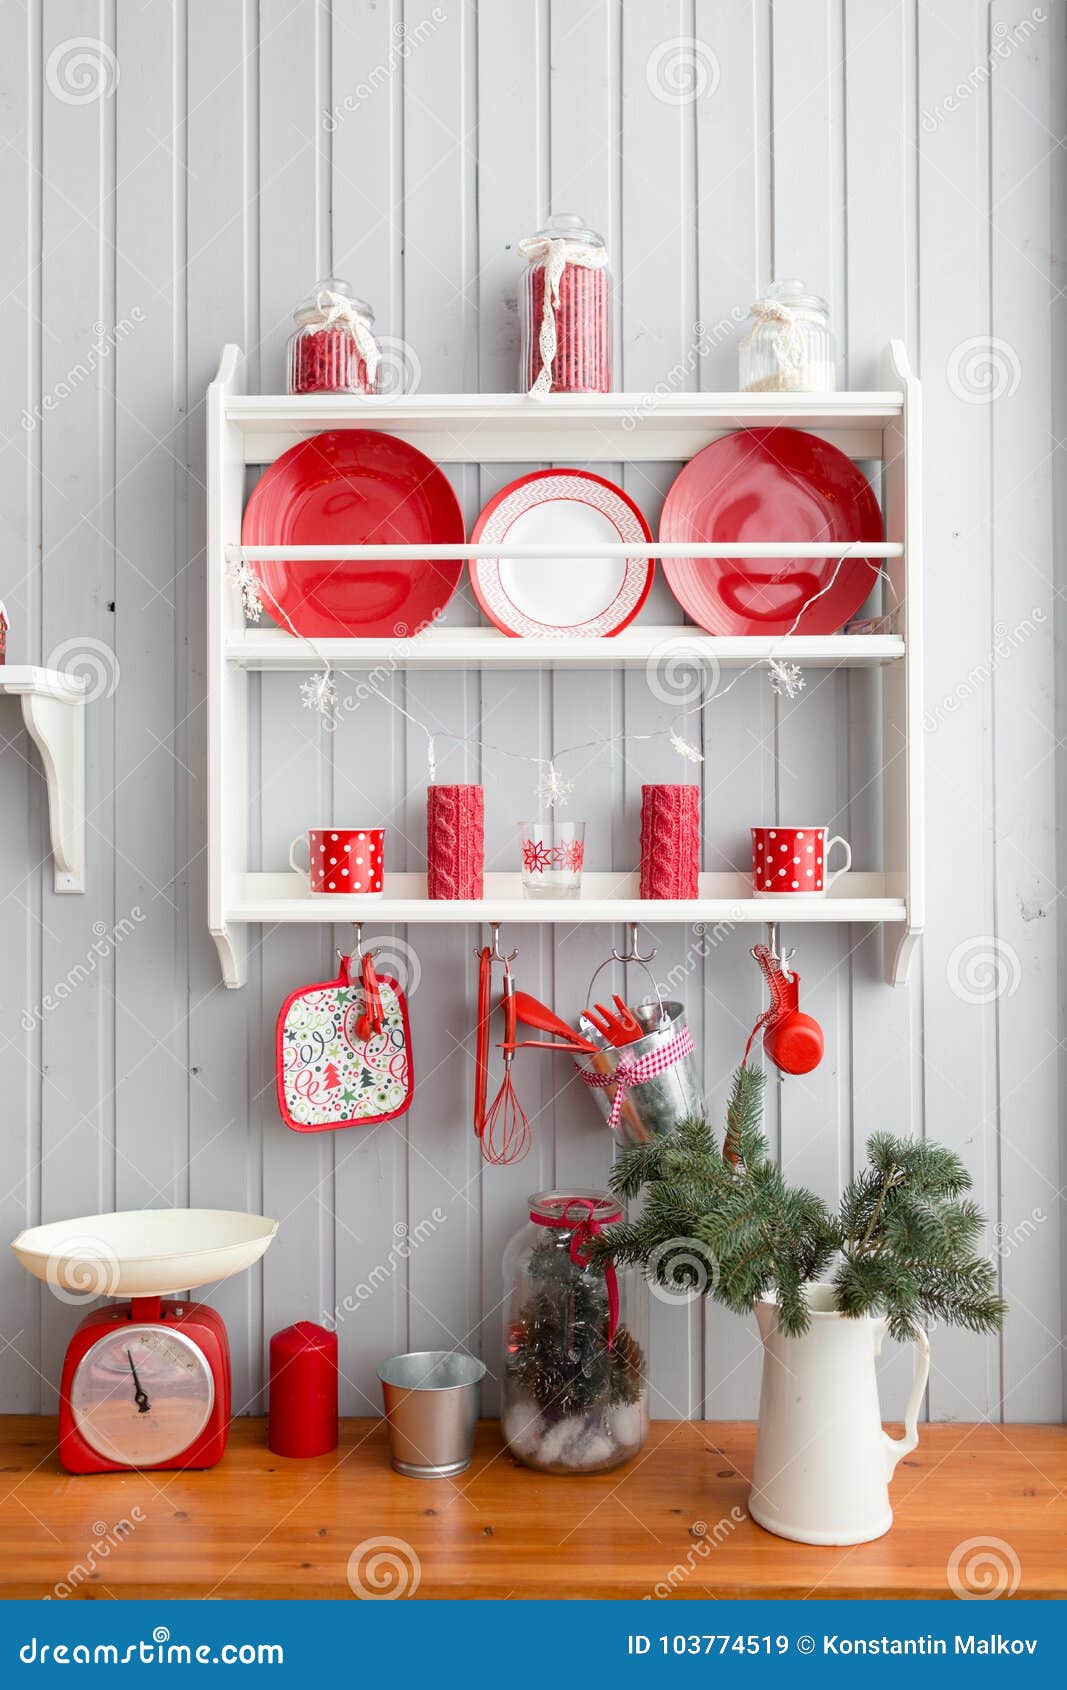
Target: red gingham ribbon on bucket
[(584, 1228), (629, 1073)]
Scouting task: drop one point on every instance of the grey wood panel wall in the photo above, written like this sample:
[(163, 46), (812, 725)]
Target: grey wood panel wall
[(173, 177)]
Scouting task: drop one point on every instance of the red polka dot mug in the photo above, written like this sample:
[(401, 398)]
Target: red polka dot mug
[(794, 861), (341, 859)]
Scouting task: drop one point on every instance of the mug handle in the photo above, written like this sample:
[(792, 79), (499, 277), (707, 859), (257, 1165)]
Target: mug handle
[(897, 1447), (828, 878), (298, 868)]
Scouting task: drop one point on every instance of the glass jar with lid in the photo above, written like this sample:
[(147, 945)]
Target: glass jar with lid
[(565, 309), (788, 346), (333, 349), (575, 1388)]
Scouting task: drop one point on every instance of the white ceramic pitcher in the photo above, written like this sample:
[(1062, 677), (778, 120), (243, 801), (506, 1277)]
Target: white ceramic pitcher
[(823, 1463)]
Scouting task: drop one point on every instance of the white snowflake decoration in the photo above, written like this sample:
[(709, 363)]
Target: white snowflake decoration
[(319, 693), (242, 576), (684, 749), (786, 678), (552, 788)]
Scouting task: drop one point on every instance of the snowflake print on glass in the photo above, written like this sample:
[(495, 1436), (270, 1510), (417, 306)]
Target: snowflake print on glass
[(553, 852), (536, 857)]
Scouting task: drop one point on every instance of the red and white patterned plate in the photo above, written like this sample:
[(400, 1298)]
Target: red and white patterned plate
[(582, 597)]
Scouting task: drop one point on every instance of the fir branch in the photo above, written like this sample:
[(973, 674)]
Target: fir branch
[(906, 1233)]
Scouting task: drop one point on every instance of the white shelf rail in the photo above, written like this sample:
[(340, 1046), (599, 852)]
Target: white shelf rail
[(607, 548)]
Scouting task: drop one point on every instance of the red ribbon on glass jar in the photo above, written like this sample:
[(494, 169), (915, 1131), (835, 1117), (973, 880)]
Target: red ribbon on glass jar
[(581, 1231), (565, 310)]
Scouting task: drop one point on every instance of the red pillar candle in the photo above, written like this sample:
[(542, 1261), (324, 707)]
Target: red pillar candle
[(670, 841), (303, 1390), (455, 841)]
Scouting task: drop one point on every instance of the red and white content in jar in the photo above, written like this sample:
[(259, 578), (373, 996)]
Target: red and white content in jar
[(565, 310), (333, 349)]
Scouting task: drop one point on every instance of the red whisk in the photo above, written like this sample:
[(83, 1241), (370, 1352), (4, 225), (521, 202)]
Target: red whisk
[(506, 1136)]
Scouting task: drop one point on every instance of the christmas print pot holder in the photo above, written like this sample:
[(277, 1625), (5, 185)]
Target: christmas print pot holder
[(343, 1053)]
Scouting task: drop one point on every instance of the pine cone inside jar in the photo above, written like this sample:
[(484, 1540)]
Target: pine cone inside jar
[(628, 1369)]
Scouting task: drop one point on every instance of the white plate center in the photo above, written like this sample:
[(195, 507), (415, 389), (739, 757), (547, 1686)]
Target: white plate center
[(562, 592)]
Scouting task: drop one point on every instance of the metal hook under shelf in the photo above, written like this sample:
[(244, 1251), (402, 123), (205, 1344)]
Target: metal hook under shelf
[(496, 953), (773, 941), (633, 954), (357, 948)]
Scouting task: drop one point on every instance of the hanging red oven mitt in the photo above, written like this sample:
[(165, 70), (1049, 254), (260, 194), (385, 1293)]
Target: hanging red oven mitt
[(343, 1052)]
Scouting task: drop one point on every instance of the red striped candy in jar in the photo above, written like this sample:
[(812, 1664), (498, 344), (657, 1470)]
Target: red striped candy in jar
[(580, 322)]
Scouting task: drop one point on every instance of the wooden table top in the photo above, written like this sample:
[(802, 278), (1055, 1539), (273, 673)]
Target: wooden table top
[(673, 1522)]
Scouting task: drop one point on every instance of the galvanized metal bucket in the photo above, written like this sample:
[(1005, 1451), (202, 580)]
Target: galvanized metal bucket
[(431, 1404), (655, 1105)]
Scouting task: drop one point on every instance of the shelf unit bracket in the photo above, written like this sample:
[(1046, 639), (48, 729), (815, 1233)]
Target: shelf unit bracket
[(53, 710)]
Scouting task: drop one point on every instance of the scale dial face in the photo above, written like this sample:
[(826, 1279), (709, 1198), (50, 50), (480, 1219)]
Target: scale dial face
[(142, 1394)]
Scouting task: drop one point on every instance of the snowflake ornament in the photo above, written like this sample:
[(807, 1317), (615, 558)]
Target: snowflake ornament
[(242, 576), (786, 678), (552, 788), (319, 693), (684, 749)]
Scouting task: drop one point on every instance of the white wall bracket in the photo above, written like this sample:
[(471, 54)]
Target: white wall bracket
[(53, 709)]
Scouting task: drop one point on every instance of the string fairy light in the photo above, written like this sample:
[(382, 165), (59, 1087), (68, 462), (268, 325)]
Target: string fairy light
[(319, 693)]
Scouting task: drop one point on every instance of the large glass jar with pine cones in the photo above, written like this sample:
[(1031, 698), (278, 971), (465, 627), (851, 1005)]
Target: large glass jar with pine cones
[(575, 1388)]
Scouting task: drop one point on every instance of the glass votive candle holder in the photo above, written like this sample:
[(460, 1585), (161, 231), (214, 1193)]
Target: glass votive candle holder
[(553, 852)]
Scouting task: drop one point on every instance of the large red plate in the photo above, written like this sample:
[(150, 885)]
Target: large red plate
[(770, 484), (354, 486)]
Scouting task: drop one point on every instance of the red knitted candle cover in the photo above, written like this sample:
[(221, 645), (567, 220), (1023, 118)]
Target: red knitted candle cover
[(455, 841), (670, 841)]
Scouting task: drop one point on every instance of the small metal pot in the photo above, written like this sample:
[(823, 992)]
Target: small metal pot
[(431, 1404), (656, 1105)]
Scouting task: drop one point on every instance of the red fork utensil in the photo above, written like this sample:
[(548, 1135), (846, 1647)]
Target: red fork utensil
[(620, 1029)]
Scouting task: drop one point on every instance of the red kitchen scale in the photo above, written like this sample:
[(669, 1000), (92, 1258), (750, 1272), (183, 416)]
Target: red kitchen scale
[(146, 1381)]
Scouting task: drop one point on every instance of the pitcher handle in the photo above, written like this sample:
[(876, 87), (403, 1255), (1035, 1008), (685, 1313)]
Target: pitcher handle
[(895, 1448)]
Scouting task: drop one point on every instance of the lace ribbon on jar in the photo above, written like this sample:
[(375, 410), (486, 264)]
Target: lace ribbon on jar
[(337, 308), (787, 340)]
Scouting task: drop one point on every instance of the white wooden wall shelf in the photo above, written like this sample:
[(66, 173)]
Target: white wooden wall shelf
[(608, 896), (607, 428), (53, 709), (637, 646)]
